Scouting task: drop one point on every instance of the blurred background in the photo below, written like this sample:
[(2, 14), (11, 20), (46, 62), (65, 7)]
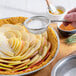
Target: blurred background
[(9, 8)]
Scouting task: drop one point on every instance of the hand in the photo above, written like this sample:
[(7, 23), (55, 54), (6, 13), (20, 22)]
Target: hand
[(70, 16)]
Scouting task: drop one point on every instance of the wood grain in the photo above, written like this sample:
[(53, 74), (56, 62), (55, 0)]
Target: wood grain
[(63, 51)]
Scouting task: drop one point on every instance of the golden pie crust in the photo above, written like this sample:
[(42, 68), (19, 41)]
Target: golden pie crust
[(51, 37)]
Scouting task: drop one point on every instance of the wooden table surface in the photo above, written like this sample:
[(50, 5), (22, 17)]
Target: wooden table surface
[(63, 51)]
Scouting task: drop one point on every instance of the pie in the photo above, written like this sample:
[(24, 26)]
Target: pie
[(22, 51)]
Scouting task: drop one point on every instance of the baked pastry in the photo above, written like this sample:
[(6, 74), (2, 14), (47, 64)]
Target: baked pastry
[(22, 51)]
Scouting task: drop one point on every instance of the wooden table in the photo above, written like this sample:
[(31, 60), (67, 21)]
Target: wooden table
[(63, 51)]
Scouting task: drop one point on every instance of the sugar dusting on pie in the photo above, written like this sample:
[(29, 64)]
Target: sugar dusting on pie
[(5, 49)]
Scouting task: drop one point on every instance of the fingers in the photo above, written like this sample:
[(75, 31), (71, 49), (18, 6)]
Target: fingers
[(70, 17), (73, 10), (66, 23), (74, 24)]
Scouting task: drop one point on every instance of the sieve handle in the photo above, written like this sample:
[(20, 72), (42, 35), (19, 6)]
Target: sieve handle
[(60, 21)]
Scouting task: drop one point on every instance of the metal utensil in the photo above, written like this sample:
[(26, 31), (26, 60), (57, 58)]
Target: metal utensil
[(51, 7), (60, 21), (44, 22), (64, 65)]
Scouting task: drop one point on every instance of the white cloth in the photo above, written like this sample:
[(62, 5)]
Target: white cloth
[(30, 7)]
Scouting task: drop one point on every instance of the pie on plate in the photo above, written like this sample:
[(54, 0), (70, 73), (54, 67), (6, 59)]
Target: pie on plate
[(22, 51)]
